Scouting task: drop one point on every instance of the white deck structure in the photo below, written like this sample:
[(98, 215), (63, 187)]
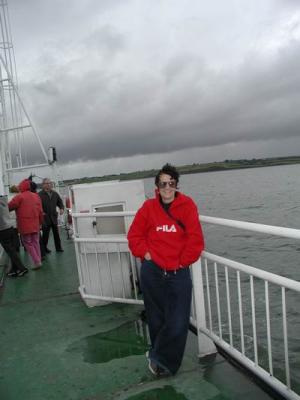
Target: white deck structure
[(104, 268)]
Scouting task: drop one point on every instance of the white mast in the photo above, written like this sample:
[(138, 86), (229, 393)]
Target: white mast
[(16, 128)]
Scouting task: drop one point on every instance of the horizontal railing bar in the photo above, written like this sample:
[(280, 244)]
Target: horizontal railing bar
[(249, 226), (84, 214), (112, 240), (27, 167), (254, 227), (258, 273), (110, 299)]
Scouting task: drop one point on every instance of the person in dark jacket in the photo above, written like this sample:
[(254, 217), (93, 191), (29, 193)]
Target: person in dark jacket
[(51, 200), (166, 235), (7, 240)]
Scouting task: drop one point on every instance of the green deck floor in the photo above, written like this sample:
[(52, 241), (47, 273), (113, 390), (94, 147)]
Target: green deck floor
[(53, 347)]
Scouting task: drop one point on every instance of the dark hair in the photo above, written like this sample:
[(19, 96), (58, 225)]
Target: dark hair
[(33, 186), (168, 169)]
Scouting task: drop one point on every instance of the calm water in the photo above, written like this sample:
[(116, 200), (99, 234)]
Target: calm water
[(269, 196)]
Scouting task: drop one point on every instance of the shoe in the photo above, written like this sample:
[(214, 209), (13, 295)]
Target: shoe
[(47, 251), (156, 370), (36, 267), (12, 274), (162, 373), (153, 368), (23, 272), (60, 251)]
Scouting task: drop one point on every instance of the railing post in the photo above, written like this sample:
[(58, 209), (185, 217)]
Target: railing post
[(205, 345), (77, 253)]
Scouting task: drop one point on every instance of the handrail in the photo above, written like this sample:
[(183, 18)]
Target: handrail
[(84, 214), (249, 226), (258, 273), (110, 239), (266, 373), (254, 227)]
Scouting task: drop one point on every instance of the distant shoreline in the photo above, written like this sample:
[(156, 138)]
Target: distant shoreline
[(225, 165)]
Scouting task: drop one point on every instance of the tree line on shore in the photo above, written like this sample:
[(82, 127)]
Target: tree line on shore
[(194, 168)]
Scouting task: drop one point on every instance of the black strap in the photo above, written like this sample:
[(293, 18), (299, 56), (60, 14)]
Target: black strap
[(181, 224)]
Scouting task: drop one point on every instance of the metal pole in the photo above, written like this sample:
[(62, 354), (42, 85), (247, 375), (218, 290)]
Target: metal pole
[(23, 108), (2, 189), (205, 344)]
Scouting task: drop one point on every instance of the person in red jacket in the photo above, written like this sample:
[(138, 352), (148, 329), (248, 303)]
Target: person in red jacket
[(166, 234), (29, 213)]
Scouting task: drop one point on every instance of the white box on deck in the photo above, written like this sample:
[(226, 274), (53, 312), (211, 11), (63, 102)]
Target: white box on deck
[(131, 193), (104, 268)]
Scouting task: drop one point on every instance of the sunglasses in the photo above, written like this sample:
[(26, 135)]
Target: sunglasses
[(171, 184)]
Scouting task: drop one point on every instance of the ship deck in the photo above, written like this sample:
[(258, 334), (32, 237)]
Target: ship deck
[(52, 346)]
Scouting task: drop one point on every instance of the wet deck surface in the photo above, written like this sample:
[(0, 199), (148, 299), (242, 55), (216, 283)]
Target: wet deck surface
[(53, 347)]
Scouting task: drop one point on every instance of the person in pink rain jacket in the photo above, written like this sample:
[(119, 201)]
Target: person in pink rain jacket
[(29, 213)]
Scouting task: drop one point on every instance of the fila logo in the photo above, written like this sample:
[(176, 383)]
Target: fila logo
[(166, 228)]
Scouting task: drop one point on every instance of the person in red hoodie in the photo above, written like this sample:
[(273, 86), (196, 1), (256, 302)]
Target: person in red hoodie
[(29, 213), (167, 236)]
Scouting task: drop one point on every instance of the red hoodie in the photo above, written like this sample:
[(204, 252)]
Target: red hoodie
[(170, 245), (28, 207)]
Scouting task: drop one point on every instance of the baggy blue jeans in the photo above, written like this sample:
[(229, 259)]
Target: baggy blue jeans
[(167, 298)]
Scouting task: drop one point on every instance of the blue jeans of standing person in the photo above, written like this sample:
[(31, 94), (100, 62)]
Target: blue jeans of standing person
[(167, 298)]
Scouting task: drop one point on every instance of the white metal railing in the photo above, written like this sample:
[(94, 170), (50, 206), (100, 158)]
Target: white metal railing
[(228, 291), (107, 271), (222, 329), (253, 227)]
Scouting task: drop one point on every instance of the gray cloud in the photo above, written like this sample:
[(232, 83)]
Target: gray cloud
[(122, 89), (97, 116)]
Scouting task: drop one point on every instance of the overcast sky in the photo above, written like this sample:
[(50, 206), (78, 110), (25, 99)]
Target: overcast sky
[(121, 85)]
